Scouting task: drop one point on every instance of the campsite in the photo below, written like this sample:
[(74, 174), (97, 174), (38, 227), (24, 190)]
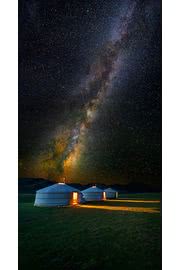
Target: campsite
[(121, 233)]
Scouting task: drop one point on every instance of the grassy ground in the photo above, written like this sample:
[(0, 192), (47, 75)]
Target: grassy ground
[(103, 235)]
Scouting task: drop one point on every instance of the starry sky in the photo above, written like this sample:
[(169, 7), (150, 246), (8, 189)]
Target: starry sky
[(90, 90)]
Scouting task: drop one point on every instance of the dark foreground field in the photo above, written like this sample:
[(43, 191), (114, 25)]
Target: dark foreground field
[(118, 234)]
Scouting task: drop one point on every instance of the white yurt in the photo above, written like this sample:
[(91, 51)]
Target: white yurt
[(58, 195), (94, 194), (111, 193)]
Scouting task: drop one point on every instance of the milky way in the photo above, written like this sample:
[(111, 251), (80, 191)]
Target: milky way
[(99, 81), (102, 105)]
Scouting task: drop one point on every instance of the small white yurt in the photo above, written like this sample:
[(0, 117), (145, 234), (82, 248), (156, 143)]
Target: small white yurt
[(94, 194), (58, 195), (111, 193)]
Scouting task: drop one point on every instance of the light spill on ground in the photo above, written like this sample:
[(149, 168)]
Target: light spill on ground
[(121, 208)]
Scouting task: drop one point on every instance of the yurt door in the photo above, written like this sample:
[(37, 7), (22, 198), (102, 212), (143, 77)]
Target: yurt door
[(75, 198)]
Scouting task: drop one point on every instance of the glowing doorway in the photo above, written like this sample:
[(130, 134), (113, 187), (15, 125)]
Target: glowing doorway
[(75, 198)]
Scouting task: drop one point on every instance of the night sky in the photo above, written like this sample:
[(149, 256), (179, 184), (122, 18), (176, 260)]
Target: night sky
[(90, 90)]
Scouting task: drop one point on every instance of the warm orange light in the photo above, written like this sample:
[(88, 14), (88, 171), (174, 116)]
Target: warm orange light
[(104, 195), (75, 198), (121, 208), (136, 201)]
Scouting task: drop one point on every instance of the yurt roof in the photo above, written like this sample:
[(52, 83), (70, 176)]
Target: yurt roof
[(110, 190), (93, 189), (56, 188)]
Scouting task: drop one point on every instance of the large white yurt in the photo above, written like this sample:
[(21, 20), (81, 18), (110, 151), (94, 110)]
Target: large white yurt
[(94, 194), (58, 195), (111, 193)]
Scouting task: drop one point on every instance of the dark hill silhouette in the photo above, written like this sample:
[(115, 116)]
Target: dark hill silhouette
[(30, 185)]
